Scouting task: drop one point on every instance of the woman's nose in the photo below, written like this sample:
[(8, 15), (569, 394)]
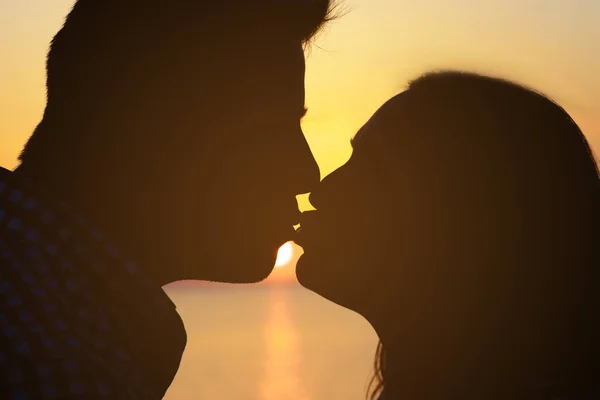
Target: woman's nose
[(332, 190)]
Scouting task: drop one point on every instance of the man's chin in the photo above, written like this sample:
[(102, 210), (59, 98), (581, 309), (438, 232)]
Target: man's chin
[(243, 269)]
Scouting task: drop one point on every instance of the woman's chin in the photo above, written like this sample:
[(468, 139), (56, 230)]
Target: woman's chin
[(315, 273), (307, 272), (301, 266)]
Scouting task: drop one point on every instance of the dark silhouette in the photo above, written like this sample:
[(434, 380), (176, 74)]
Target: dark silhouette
[(465, 229), (173, 129)]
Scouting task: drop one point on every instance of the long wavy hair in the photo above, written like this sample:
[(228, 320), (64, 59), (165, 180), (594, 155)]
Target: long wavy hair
[(376, 383), (534, 132)]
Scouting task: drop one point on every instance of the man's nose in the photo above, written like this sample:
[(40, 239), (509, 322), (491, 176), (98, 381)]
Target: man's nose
[(302, 167)]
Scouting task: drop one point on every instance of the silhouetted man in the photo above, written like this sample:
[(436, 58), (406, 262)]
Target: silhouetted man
[(170, 149)]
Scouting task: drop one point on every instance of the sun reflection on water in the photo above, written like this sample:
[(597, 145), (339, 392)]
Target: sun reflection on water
[(281, 378)]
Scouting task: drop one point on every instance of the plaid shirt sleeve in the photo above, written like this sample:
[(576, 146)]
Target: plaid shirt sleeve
[(76, 315), (50, 349)]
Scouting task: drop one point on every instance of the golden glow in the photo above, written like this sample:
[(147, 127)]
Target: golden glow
[(359, 62), (281, 379), (284, 255)]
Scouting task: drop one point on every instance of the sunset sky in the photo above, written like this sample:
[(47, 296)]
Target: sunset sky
[(363, 59)]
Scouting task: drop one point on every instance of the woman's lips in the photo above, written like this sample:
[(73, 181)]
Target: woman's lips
[(302, 236), (299, 236)]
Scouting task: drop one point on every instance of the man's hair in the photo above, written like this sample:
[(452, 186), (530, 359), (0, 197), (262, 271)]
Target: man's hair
[(108, 50)]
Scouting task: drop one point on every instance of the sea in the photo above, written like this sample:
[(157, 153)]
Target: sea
[(270, 342)]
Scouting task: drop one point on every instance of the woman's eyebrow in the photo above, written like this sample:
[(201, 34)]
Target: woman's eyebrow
[(304, 111)]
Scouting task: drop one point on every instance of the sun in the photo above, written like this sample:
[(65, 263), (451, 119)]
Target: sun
[(284, 255)]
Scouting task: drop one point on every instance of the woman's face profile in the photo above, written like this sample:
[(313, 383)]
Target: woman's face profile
[(356, 230)]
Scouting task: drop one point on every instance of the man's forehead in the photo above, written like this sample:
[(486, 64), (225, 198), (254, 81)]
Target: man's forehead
[(279, 53)]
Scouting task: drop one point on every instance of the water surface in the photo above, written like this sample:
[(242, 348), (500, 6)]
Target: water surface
[(270, 342)]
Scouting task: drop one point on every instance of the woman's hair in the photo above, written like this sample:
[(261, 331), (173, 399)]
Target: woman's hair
[(376, 383), (516, 197)]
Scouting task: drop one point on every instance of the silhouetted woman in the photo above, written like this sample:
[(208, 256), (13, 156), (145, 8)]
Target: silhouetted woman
[(465, 229)]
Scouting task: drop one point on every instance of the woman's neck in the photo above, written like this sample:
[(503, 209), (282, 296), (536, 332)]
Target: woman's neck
[(435, 360)]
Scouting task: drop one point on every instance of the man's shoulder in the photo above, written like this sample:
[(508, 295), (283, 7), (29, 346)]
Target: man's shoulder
[(56, 343), (30, 369), (70, 303), (55, 356)]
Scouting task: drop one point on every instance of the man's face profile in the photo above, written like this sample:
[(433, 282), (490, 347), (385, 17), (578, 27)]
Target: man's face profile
[(188, 121), (240, 190)]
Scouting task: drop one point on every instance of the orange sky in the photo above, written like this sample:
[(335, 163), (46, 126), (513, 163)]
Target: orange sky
[(361, 60)]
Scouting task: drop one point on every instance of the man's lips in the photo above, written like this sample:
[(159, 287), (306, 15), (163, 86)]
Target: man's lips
[(286, 211), (308, 224), (296, 216), (287, 232), (299, 237)]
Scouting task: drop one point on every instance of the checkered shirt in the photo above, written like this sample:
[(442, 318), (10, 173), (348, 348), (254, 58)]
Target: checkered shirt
[(77, 319)]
